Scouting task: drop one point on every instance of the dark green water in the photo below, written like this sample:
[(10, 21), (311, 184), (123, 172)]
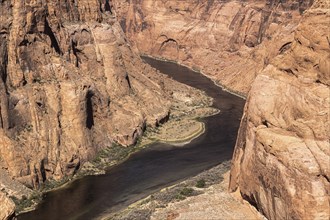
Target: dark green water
[(154, 168)]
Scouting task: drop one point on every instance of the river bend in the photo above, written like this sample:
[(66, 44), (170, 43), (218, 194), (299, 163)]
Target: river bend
[(153, 168)]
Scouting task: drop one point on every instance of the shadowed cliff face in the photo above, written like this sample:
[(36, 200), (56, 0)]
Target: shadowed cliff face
[(70, 85), (230, 41)]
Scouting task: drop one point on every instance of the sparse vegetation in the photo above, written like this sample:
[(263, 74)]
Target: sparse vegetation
[(200, 183), (25, 203), (184, 192), (180, 197), (50, 184), (182, 127), (113, 155), (187, 191), (174, 193)]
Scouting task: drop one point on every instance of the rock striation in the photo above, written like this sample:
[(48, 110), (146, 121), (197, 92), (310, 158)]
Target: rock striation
[(70, 85), (281, 161), (282, 157), (229, 41)]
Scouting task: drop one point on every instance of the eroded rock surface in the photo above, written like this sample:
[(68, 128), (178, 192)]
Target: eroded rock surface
[(229, 41), (70, 85), (281, 161), (7, 207)]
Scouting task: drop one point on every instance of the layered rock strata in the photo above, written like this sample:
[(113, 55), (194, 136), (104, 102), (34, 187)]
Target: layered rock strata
[(229, 41), (282, 157), (281, 161), (70, 85)]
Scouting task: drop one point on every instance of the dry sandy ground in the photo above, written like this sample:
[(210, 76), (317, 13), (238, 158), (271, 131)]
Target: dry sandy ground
[(183, 124), (187, 200), (216, 203)]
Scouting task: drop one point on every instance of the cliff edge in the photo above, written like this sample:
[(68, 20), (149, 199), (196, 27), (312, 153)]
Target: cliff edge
[(281, 160)]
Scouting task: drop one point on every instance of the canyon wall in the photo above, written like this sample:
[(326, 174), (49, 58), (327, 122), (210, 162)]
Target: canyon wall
[(281, 161), (282, 157), (70, 85), (229, 41)]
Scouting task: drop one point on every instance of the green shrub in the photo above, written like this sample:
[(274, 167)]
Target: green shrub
[(180, 197), (200, 183), (186, 191), (22, 204)]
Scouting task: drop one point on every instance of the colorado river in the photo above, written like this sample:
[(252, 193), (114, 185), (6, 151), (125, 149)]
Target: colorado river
[(153, 168)]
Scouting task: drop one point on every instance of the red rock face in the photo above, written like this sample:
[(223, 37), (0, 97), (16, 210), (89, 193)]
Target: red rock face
[(70, 85), (281, 161), (230, 41)]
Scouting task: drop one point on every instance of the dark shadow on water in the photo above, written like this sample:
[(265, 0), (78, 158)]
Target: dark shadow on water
[(154, 168)]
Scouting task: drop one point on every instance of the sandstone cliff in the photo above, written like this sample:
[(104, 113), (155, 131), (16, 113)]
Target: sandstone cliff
[(282, 157), (70, 85), (281, 162), (230, 41)]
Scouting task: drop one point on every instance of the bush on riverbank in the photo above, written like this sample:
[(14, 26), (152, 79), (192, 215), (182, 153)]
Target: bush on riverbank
[(200, 183), (25, 203)]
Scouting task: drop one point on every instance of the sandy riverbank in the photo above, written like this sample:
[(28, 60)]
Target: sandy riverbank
[(182, 127), (204, 196)]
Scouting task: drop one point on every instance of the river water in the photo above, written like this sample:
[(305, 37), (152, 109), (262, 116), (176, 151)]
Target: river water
[(153, 168)]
